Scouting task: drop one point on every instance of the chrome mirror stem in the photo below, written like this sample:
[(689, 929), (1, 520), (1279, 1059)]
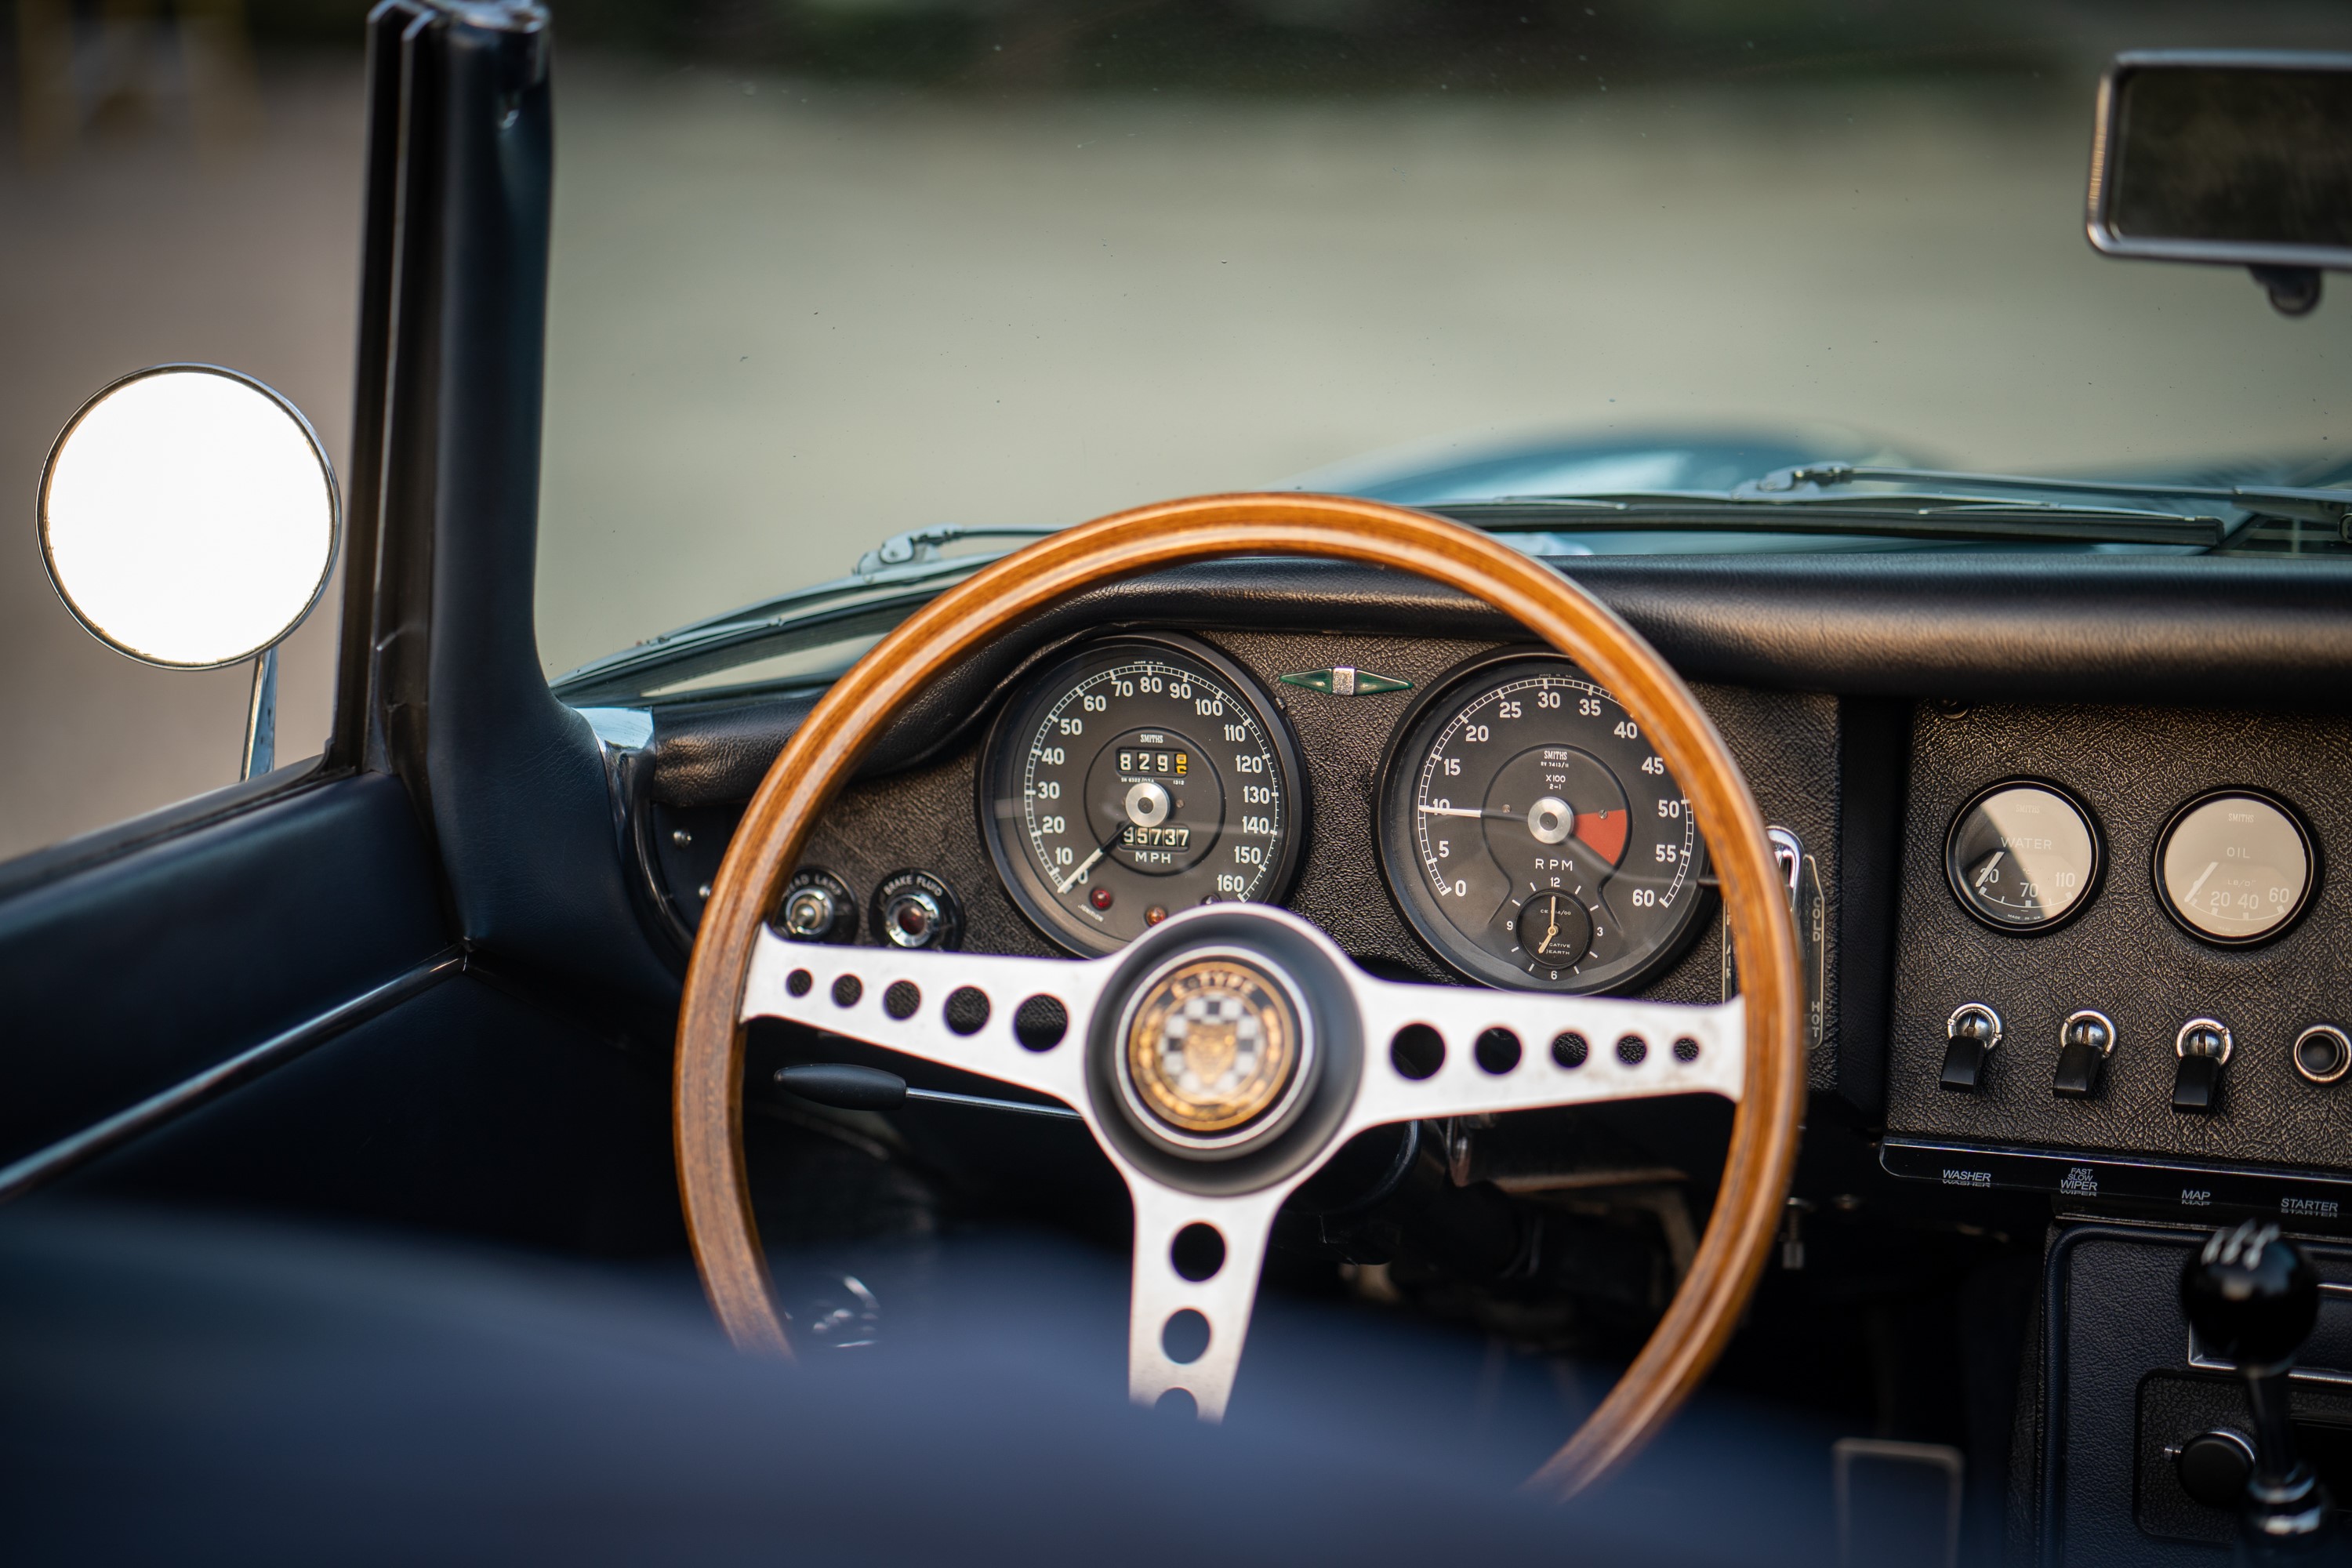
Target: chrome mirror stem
[(261, 717)]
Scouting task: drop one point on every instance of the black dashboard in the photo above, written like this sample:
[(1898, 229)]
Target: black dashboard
[(1875, 704)]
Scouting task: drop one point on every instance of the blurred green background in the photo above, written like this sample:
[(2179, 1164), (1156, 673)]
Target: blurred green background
[(1287, 47), (826, 270)]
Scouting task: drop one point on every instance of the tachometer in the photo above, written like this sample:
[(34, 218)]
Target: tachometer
[(1532, 837), (1141, 776)]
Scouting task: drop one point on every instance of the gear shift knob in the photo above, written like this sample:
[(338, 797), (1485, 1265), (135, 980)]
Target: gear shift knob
[(2252, 1296)]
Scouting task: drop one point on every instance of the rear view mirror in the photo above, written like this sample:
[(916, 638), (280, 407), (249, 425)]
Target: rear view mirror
[(2238, 158), (188, 518)]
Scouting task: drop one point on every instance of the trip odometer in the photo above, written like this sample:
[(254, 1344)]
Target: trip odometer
[(1140, 776), (1531, 835)]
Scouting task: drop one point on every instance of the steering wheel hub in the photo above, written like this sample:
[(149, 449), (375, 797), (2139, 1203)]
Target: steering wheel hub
[(1215, 1048)]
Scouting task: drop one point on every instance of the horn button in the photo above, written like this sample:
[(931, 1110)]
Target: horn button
[(1226, 1051), (1214, 1049)]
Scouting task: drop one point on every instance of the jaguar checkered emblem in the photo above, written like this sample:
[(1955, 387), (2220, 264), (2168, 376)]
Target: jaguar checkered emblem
[(1214, 1045)]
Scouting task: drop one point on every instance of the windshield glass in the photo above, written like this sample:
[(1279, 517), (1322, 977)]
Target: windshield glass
[(841, 269)]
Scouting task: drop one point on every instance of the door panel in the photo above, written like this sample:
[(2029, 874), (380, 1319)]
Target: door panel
[(136, 972), (467, 1109)]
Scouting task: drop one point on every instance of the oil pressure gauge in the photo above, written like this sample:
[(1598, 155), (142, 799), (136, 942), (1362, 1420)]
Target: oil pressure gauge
[(2235, 868), (2023, 857)]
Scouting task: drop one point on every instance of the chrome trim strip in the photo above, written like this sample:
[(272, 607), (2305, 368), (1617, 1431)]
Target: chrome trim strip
[(46, 1165)]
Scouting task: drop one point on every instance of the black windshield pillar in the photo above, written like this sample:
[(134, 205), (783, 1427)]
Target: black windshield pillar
[(509, 782)]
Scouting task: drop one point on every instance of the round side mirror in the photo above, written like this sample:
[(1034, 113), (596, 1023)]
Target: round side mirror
[(188, 517)]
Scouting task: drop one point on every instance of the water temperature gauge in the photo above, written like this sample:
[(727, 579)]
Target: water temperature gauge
[(2022, 856)]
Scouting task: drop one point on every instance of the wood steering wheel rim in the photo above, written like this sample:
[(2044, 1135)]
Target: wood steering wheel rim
[(826, 750)]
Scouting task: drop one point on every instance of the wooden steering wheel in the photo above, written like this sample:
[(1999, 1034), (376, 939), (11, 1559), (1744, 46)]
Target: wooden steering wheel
[(1323, 1031)]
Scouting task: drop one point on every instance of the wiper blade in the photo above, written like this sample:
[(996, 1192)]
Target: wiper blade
[(1925, 517), (1823, 476), (2329, 506)]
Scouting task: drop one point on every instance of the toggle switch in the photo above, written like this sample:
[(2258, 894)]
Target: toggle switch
[(1970, 1034), (2086, 1040), (2203, 1048)]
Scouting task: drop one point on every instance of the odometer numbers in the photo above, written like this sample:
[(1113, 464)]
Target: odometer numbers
[(1141, 776), (1533, 837)]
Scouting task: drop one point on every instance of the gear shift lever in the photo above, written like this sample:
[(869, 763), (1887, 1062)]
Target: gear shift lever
[(2253, 1298)]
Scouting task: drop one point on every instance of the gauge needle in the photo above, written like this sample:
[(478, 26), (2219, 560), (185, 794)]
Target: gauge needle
[(1550, 930), (1988, 868), (2200, 881), (1084, 865)]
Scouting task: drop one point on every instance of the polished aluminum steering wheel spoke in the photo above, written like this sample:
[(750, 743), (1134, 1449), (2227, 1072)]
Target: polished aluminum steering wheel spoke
[(1438, 1051), (1197, 1261), (922, 1003)]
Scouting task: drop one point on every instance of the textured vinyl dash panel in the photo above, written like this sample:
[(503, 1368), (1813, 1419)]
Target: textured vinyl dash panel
[(2134, 767), (927, 817)]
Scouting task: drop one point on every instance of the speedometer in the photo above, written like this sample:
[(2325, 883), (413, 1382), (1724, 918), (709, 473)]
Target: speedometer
[(1532, 837), (1141, 776)]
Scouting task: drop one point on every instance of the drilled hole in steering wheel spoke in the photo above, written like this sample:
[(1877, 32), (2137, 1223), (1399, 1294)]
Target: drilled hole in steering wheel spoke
[(1497, 1051), (1184, 1338), (967, 1010), (1198, 1252), (1040, 1022), (1417, 1051)]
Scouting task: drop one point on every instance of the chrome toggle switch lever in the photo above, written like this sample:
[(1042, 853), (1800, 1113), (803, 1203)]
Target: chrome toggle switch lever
[(2086, 1040), (2253, 1298), (1972, 1033), (2203, 1048)]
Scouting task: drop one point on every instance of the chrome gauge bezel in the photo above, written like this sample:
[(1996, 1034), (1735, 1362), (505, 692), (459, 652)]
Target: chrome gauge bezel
[(2092, 884), (2311, 855), (1415, 731), (1023, 881)]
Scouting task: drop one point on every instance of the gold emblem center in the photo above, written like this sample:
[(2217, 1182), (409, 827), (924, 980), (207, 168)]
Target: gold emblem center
[(1213, 1047)]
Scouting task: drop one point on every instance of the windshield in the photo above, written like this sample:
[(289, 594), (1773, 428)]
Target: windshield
[(857, 268)]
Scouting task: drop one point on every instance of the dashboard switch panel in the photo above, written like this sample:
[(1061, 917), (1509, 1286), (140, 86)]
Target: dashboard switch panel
[(1972, 1033), (2086, 1040), (2203, 1046)]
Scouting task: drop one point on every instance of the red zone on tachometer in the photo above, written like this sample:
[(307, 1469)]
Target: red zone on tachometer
[(1603, 833)]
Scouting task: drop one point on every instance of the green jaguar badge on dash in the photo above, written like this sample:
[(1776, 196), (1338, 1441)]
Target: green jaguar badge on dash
[(1346, 680)]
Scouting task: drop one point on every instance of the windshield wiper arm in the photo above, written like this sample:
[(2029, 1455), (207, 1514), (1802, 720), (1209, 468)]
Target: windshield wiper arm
[(918, 544)]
